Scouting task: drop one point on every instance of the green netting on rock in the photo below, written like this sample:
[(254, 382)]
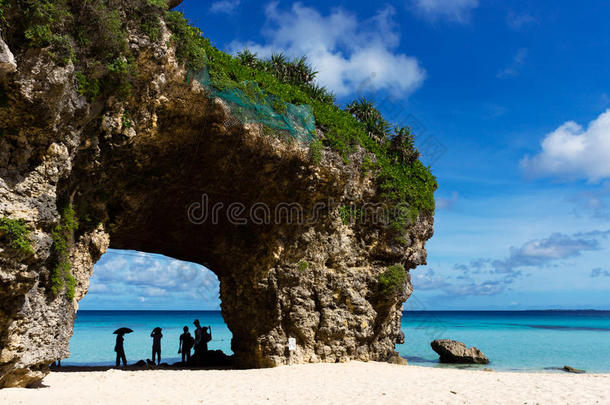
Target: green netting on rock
[(250, 104)]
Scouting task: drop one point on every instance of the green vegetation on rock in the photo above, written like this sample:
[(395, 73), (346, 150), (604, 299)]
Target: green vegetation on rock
[(188, 41), (93, 35), (151, 18), (315, 151), (63, 235), (2, 18), (87, 86), (350, 214), (17, 234), (303, 265), (392, 279), (406, 184), (48, 21)]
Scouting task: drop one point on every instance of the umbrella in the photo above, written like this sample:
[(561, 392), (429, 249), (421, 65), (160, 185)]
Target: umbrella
[(122, 331)]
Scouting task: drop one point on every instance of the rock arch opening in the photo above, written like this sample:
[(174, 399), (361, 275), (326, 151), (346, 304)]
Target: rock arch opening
[(144, 291)]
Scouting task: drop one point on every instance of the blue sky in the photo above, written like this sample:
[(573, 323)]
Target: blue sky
[(516, 93)]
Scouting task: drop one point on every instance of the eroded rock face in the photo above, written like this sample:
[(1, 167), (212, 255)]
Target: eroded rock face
[(142, 183), (452, 351), (7, 60)]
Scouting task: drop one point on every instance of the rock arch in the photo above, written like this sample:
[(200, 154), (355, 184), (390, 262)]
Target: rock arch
[(131, 171)]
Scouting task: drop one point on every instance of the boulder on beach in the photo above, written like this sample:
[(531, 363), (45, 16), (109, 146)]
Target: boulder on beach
[(452, 351), (397, 359), (572, 370), (215, 358)]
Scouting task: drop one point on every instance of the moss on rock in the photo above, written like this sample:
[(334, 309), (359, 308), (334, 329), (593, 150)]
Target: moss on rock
[(15, 232), (63, 235), (392, 279)]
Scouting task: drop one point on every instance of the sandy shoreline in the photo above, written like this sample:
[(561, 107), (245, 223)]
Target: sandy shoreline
[(353, 383)]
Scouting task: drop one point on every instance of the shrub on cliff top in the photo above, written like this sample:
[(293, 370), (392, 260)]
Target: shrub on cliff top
[(151, 21), (402, 178), (94, 35), (188, 41)]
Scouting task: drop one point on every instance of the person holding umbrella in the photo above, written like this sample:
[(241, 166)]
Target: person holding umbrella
[(156, 349), (118, 347)]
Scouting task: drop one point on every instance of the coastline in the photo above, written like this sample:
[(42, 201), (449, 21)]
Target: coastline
[(353, 382), (515, 341)]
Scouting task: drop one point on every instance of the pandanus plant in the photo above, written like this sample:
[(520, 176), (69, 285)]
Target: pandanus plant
[(402, 145), (298, 72), (248, 58), (365, 112), (320, 93)]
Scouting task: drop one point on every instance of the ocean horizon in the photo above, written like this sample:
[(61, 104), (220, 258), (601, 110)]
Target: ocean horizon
[(519, 340)]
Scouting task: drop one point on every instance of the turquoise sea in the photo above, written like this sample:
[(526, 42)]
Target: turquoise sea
[(513, 340)]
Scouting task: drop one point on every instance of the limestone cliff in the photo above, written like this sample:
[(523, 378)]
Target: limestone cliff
[(81, 172)]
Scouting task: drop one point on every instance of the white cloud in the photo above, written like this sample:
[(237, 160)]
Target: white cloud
[(155, 292), (443, 203), (539, 252), (428, 280), (572, 152), (600, 273), (516, 64), (224, 6), (451, 10), (98, 288), (490, 287), (152, 277), (593, 202), (487, 276), (348, 53)]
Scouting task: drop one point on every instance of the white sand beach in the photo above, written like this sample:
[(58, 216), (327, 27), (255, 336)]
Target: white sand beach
[(350, 383)]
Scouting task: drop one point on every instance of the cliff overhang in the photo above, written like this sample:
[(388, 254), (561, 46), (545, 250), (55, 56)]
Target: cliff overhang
[(107, 141)]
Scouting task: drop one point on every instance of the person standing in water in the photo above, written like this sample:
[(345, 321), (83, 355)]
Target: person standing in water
[(156, 348), (120, 350), (186, 343)]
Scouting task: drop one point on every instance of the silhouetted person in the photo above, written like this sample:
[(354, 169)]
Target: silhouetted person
[(156, 348), (202, 337), (185, 346), (207, 336), (198, 339), (120, 350)]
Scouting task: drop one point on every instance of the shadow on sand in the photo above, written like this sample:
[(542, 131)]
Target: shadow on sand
[(213, 360)]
